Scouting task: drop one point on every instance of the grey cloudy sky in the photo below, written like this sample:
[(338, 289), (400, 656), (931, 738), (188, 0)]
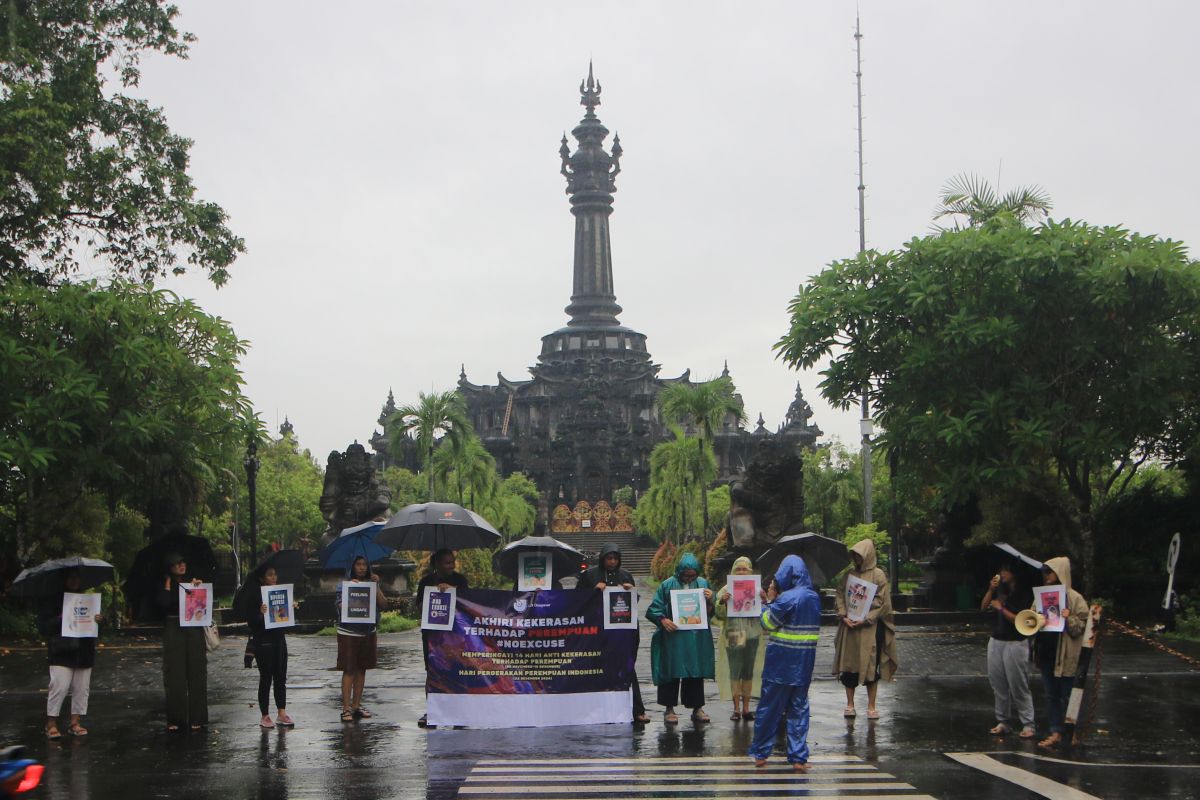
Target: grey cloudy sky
[(393, 168)]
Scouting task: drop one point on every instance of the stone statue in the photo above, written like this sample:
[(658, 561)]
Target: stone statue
[(352, 494), (767, 501)]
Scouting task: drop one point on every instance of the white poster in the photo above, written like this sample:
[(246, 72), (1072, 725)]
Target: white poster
[(534, 571), (1049, 601), (744, 596), (195, 605), (79, 614), (689, 611), (358, 602), (437, 608), (859, 596), (620, 608), (280, 602)]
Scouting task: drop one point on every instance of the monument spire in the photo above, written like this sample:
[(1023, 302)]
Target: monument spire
[(591, 180)]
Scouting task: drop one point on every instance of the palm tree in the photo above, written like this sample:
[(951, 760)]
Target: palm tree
[(472, 468), (437, 415), (677, 470), (704, 406), (972, 199)]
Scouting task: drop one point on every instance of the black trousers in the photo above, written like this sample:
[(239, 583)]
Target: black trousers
[(691, 689), (272, 657)]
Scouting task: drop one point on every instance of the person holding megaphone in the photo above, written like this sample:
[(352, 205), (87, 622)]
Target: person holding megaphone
[(1008, 653)]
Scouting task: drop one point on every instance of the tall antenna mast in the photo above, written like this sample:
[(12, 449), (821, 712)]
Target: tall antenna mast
[(866, 426)]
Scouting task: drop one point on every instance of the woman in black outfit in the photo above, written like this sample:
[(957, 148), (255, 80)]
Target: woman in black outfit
[(270, 651), (439, 573), (185, 654)]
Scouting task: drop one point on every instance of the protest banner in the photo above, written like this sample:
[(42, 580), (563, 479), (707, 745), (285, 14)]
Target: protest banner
[(358, 602), (529, 659), (437, 609), (745, 599), (79, 614), (689, 611), (534, 571), (195, 605), (1049, 601), (279, 600), (859, 596), (620, 609)]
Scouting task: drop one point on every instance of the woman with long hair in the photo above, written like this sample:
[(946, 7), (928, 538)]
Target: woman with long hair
[(357, 643), (185, 654), (270, 651)]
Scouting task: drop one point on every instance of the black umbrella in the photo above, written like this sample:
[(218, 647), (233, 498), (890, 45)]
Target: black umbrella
[(289, 568), (567, 560), (1028, 570), (149, 567), (823, 556), (432, 526), (46, 580)]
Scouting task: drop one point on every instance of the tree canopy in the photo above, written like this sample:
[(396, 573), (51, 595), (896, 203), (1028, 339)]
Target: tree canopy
[(434, 416), (998, 353), (87, 171)]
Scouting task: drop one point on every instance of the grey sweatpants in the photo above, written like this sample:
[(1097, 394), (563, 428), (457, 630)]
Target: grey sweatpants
[(1008, 671)]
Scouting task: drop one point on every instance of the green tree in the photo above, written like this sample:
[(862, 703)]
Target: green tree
[(435, 416), (704, 407), (678, 470), (465, 471), (288, 489), (511, 507), (972, 200), (996, 354), (86, 171), (407, 487), (125, 391)]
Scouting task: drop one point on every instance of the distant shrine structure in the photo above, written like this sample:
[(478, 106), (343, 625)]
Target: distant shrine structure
[(583, 425)]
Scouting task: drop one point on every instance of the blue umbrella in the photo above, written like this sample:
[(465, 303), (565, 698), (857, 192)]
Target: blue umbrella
[(354, 542)]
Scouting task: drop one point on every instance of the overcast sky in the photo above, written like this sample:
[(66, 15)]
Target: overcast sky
[(393, 168)]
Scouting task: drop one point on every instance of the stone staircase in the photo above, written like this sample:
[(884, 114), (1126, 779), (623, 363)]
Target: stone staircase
[(633, 558)]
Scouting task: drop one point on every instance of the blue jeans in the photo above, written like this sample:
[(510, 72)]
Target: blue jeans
[(1058, 692), (778, 699)]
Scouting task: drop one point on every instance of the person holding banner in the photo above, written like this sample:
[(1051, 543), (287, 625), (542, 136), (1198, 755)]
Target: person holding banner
[(792, 622), (608, 572), (270, 652), (357, 643), (680, 660), (739, 649), (865, 648), (71, 660), (185, 655), (441, 573), (1057, 654)]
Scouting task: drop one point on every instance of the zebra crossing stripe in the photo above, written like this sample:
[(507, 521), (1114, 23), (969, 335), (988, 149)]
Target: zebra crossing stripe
[(752, 775), (690, 768), (643, 789), (816, 759)]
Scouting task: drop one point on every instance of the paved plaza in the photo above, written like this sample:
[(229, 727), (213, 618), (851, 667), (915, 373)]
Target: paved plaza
[(931, 742)]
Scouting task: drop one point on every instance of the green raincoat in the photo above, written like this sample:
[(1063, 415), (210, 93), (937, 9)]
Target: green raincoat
[(679, 654)]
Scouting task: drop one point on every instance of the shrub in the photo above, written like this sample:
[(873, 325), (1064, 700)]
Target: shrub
[(718, 548), (662, 564), (17, 624), (395, 622)]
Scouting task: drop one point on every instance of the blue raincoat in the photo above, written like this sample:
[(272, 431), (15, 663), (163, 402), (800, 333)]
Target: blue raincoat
[(791, 624)]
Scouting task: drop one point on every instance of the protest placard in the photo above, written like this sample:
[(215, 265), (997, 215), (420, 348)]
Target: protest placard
[(79, 614), (689, 611), (1048, 601), (437, 608), (745, 599), (620, 609), (859, 596), (280, 602), (534, 571), (358, 602), (195, 605)]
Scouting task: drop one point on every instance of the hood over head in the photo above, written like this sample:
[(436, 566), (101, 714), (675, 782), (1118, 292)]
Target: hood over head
[(792, 572), (688, 561), (865, 549), (1062, 568), (605, 549), (742, 561)]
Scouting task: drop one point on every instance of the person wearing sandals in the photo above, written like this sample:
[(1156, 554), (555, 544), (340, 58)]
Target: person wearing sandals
[(608, 572), (792, 622), (680, 660), (1008, 653), (865, 652), (71, 661), (357, 644), (1057, 654), (270, 651), (185, 654), (739, 657), (442, 574)]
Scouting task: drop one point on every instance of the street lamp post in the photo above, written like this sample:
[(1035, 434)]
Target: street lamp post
[(251, 465)]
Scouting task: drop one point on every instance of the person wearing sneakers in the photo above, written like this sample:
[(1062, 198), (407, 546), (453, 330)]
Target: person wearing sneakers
[(1057, 654), (792, 624), (270, 651), (1008, 653), (865, 652), (680, 660)]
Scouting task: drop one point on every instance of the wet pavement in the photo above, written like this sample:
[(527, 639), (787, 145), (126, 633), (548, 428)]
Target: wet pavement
[(1143, 742)]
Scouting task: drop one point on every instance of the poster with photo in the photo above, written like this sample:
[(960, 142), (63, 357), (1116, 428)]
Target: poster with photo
[(79, 614), (620, 608), (1048, 601), (280, 601), (745, 599), (534, 571), (358, 602), (859, 596), (437, 609), (689, 612), (195, 605)]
